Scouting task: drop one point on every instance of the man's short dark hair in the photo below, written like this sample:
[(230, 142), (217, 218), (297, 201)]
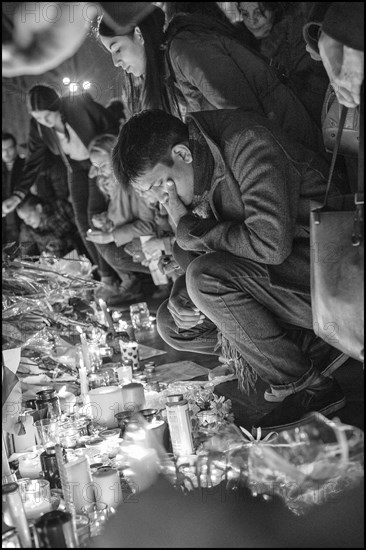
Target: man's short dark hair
[(6, 135), (30, 201), (144, 141)]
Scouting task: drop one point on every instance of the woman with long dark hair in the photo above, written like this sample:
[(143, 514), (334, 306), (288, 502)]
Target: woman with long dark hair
[(137, 51), (66, 126)]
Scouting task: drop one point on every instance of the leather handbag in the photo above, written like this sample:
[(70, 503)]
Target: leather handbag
[(337, 262), (330, 119)]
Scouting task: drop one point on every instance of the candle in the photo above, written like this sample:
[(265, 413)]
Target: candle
[(104, 403), (84, 347), (80, 483), (124, 374), (26, 440), (130, 350), (36, 497), (84, 384), (107, 315), (67, 400), (107, 486), (30, 465), (133, 396)]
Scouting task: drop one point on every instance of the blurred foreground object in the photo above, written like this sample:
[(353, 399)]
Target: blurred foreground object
[(341, 47), (47, 33)]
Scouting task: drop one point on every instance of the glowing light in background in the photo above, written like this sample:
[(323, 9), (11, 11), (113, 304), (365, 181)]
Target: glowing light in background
[(66, 81), (86, 85), (73, 87)]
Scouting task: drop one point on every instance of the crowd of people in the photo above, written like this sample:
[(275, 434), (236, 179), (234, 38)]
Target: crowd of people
[(214, 153)]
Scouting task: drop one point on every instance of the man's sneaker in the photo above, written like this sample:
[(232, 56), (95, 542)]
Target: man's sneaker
[(331, 363), (326, 398)]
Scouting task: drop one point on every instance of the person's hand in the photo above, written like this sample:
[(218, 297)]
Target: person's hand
[(185, 314), (172, 203), (99, 237), (10, 204), (345, 68), (152, 248), (97, 222), (45, 37)]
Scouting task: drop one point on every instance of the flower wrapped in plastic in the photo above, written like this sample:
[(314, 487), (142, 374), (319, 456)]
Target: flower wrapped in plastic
[(308, 465)]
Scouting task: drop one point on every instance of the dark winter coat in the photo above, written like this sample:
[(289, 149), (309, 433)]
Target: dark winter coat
[(214, 70)]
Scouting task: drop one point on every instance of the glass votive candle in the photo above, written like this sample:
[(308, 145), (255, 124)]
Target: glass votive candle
[(97, 512), (30, 465), (82, 524), (36, 497), (140, 316), (47, 432), (94, 356), (124, 373), (69, 437)]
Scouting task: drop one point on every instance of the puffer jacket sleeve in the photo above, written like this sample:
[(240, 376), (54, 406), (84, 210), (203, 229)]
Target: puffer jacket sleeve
[(208, 76), (269, 185), (143, 222)]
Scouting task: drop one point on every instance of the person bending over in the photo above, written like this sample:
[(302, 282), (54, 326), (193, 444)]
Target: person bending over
[(51, 226), (238, 191)]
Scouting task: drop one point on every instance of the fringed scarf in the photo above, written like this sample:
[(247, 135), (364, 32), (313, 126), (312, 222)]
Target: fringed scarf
[(247, 377)]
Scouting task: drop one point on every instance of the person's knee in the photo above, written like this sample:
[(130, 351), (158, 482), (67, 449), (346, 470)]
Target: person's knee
[(203, 276)]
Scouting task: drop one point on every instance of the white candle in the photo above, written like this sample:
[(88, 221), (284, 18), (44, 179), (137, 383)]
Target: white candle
[(133, 396), (107, 486), (124, 374), (80, 483), (67, 401), (107, 315), (104, 403), (84, 384)]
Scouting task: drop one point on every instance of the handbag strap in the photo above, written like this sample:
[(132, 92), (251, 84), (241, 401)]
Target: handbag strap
[(357, 235), (342, 120)]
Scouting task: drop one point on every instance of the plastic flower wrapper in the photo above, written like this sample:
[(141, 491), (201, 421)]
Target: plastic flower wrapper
[(308, 464)]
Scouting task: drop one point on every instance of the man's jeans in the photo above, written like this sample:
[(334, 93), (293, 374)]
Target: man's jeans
[(236, 296)]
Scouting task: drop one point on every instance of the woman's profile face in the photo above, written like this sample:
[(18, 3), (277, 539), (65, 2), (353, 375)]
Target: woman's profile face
[(46, 118), (258, 22), (128, 52), (102, 170)]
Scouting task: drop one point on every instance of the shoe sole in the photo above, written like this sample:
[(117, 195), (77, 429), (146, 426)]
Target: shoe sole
[(330, 409), (329, 369)]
